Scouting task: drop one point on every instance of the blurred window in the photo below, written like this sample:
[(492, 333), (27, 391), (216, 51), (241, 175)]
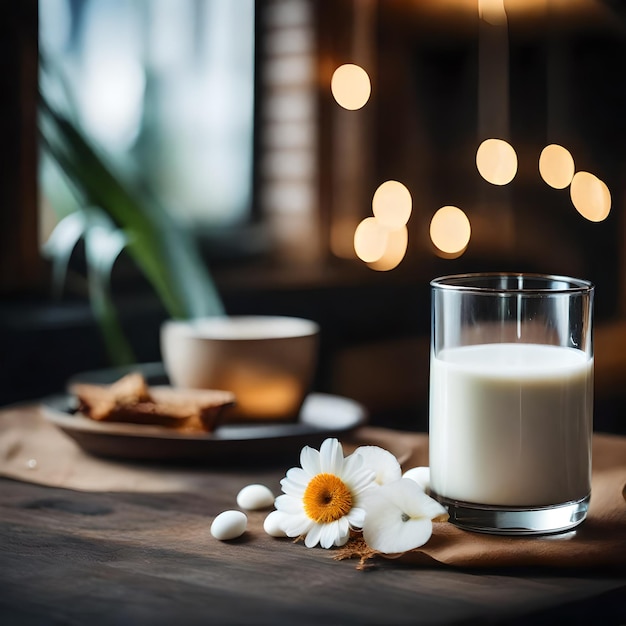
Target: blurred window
[(166, 89)]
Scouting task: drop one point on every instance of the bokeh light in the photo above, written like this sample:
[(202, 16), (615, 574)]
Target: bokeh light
[(492, 12), (496, 161), (342, 230), (392, 204), (450, 230), (556, 166), (590, 196), (370, 240), (350, 86), (397, 244)]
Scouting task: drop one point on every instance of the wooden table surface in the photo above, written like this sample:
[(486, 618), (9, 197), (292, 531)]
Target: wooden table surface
[(77, 557), (69, 557)]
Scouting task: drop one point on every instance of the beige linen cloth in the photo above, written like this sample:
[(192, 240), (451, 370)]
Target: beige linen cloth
[(33, 450)]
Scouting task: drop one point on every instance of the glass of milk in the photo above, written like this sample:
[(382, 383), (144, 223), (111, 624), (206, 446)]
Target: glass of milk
[(511, 401)]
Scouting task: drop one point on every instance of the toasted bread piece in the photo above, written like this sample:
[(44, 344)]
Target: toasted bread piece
[(206, 404), (131, 400), (130, 389), (95, 401)]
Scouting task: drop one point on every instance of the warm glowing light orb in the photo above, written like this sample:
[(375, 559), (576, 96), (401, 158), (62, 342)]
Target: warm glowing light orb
[(492, 12), (370, 240), (350, 86), (397, 243), (392, 204), (496, 161), (450, 229), (590, 196), (556, 166)]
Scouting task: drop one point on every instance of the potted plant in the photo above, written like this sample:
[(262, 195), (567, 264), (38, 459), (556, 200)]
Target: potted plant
[(113, 217)]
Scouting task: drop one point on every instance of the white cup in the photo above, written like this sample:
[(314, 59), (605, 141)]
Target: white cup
[(267, 361)]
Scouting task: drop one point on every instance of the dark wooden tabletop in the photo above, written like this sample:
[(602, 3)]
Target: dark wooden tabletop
[(92, 556), (72, 557)]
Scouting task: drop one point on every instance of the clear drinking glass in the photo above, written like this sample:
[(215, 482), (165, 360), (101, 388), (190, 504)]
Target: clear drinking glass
[(511, 401)]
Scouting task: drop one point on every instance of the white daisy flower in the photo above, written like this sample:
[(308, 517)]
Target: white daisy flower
[(382, 462), (421, 475), (322, 499), (399, 517)]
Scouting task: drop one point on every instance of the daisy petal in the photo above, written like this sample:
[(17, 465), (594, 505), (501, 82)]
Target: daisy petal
[(292, 488), (361, 481), (313, 536), (330, 534), (296, 525), (353, 468), (310, 461), (356, 517), (298, 476), (288, 504), (331, 457), (344, 527), (342, 540)]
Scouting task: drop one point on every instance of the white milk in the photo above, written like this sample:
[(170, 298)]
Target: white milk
[(510, 424)]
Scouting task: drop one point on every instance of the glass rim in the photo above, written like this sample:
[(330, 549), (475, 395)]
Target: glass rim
[(470, 283)]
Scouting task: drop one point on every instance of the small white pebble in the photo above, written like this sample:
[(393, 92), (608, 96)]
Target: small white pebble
[(31, 463), (255, 497), (229, 525), (271, 525)]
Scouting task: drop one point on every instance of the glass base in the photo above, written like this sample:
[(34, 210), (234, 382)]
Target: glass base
[(498, 520)]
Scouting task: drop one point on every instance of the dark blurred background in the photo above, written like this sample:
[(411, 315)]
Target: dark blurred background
[(227, 116)]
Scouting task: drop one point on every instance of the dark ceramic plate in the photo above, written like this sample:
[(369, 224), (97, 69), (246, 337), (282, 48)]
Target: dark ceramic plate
[(322, 415)]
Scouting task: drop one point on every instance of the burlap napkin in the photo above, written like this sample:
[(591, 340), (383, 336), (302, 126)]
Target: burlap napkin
[(33, 450)]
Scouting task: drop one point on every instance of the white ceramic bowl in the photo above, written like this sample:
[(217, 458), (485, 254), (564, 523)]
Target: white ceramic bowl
[(267, 361)]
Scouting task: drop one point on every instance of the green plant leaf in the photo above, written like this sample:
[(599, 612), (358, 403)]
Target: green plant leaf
[(163, 250), (103, 245), (60, 246)]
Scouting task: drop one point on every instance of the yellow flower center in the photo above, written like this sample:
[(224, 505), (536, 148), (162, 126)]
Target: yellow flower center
[(326, 498)]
